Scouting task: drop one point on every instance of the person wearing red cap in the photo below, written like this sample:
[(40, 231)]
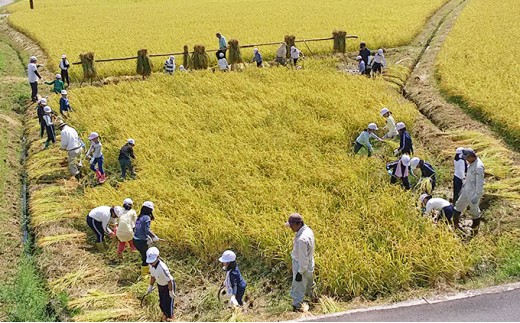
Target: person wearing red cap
[(302, 261)]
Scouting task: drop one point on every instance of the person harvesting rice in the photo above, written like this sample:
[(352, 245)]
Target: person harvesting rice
[(169, 65), (390, 124), (98, 220), (64, 104), (49, 126), (234, 283), (143, 234), (281, 54), (295, 55), (378, 62), (125, 227), (160, 274), (399, 169), (58, 84), (257, 57), (405, 140), (363, 140)]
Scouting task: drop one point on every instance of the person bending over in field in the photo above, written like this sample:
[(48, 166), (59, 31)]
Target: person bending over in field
[(427, 170), (234, 283), (143, 235), (281, 54), (363, 140), (378, 62), (437, 205), (257, 57), (399, 169), (96, 157), (58, 84), (126, 154), (169, 65), (222, 63), (405, 140)]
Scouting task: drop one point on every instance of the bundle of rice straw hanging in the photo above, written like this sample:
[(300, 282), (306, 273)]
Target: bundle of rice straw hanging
[(234, 52), (199, 58), (186, 57), (340, 41), (87, 63), (144, 63), (289, 40)]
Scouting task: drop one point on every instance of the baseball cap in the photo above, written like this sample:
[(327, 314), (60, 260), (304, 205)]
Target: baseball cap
[(152, 254)]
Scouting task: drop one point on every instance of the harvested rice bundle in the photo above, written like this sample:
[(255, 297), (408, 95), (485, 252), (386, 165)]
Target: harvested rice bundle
[(87, 63), (144, 63), (340, 41), (186, 57), (199, 58), (289, 40), (234, 52)]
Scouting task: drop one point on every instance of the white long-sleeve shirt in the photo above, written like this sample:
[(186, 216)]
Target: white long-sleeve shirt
[(95, 150), (69, 139), (161, 273), (436, 203), (31, 72), (390, 126), (303, 249), (102, 214), (295, 53), (460, 168), (474, 184), (380, 59)]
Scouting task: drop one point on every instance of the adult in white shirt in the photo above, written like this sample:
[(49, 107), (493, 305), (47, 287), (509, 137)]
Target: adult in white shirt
[(302, 261), (435, 204), (160, 274), (459, 174), (33, 77), (72, 144), (98, 220)]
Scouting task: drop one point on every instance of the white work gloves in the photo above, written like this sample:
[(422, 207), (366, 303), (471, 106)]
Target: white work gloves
[(172, 294), (151, 240), (233, 301), (149, 290)]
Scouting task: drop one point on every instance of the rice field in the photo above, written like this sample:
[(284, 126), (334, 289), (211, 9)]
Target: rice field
[(164, 26), (477, 64), (227, 156)]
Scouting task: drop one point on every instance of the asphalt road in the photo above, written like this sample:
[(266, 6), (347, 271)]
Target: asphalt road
[(499, 307)]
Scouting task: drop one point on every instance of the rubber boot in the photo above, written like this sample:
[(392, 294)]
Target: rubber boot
[(100, 246), (475, 226), (145, 270), (102, 179), (456, 220), (98, 175)]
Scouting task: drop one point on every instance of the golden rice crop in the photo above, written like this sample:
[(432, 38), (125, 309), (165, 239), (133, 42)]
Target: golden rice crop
[(120, 28), (227, 156), (477, 63)]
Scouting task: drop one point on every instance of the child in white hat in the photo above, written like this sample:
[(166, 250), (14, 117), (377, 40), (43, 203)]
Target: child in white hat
[(64, 104), (390, 124), (64, 69), (234, 283), (49, 126), (361, 65), (96, 157), (58, 84), (363, 140)]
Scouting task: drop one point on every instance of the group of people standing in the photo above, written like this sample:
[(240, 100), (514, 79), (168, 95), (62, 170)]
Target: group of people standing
[(370, 64), (468, 178)]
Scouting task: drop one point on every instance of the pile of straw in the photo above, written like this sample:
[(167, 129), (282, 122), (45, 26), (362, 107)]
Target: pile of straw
[(87, 62), (199, 58), (144, 63), (234, 52), (289, 40), (340, 41)]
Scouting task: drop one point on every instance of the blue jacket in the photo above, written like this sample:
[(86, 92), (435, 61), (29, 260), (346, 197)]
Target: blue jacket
[(258, 57), (142, 227), (405, 146), (64, 104), (236, 280), (427, 170)]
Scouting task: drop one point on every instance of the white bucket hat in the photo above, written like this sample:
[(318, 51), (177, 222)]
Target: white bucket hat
[(131, 141), (118, 211), (152, 254), (44, 101), (63, 92), (93, 135), (228, 256), (128, 201), (384, 111), (63, 56), (372, 126), (47, 109), (149, 204), (400, 125), (358, 58), (459, 150), (423, 197), (58, 76), (414, 162), (405, 160)]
